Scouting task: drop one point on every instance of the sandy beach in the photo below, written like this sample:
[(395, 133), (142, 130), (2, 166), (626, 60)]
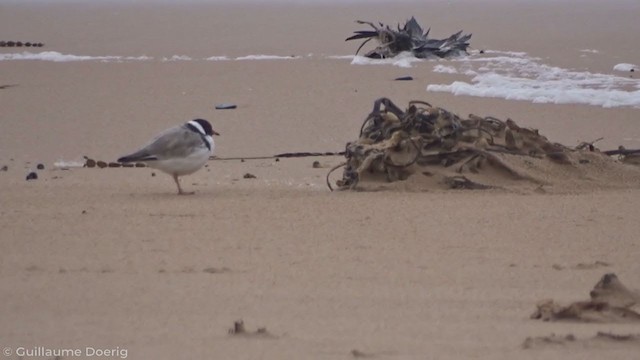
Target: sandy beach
[(114, 259)]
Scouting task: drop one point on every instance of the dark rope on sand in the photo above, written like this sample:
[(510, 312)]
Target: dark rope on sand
[(283, 155), (332, 170)]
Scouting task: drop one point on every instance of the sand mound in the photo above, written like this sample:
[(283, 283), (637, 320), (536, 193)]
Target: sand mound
[(611, 301), (426, 147)]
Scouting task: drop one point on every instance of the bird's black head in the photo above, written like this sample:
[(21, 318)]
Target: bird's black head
[(206, 126)]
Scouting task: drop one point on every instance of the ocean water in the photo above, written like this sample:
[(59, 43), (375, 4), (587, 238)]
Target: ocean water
[(500, 73)]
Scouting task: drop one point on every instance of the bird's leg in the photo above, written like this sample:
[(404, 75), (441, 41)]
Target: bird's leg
[(180, 192)]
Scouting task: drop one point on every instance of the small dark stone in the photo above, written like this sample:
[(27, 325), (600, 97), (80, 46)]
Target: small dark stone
[(3, 43), (101, 164), (153, 174), (141, 165), (18, 43), (90, 163), (238, 328), (241, 160), (481, 51), (27, 44), (249, 176), (404, 78), (277, 159), (32, 176), (11, 43), (114, 165), (128, 165), (40, 166), (632, 70), (84, 211), (316, 165), (226, 106), (4, 168)]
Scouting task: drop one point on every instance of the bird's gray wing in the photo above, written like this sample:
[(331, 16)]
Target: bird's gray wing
[(175, 142)]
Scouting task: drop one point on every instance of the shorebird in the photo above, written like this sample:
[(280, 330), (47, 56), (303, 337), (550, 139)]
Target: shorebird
[(178, 151)]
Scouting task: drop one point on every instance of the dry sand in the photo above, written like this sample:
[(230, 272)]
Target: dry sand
[(113, 258)]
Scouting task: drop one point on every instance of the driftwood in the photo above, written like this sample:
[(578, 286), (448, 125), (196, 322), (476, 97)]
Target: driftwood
[(398, 143), (410, 38), (610, 301)]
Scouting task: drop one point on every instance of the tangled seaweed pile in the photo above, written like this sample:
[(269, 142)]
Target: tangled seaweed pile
[(410, 38), (429, 140)]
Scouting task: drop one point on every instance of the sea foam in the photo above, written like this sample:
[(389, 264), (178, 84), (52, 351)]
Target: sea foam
[(267, 57), (517, 76), (625, 67), (403, 60), (58, 57)]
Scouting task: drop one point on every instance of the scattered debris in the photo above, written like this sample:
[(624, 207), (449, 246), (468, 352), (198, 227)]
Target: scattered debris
[(34, 268), (225, 106), (20, 44), (583, 266), (570, 339), (410, 38), (589, 266), (66, 165), (610, 301), (91, 163), (32, 176), (359, 354), (249, 176), (403, 78), (213, 270), (554, 339), (239, 329)]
